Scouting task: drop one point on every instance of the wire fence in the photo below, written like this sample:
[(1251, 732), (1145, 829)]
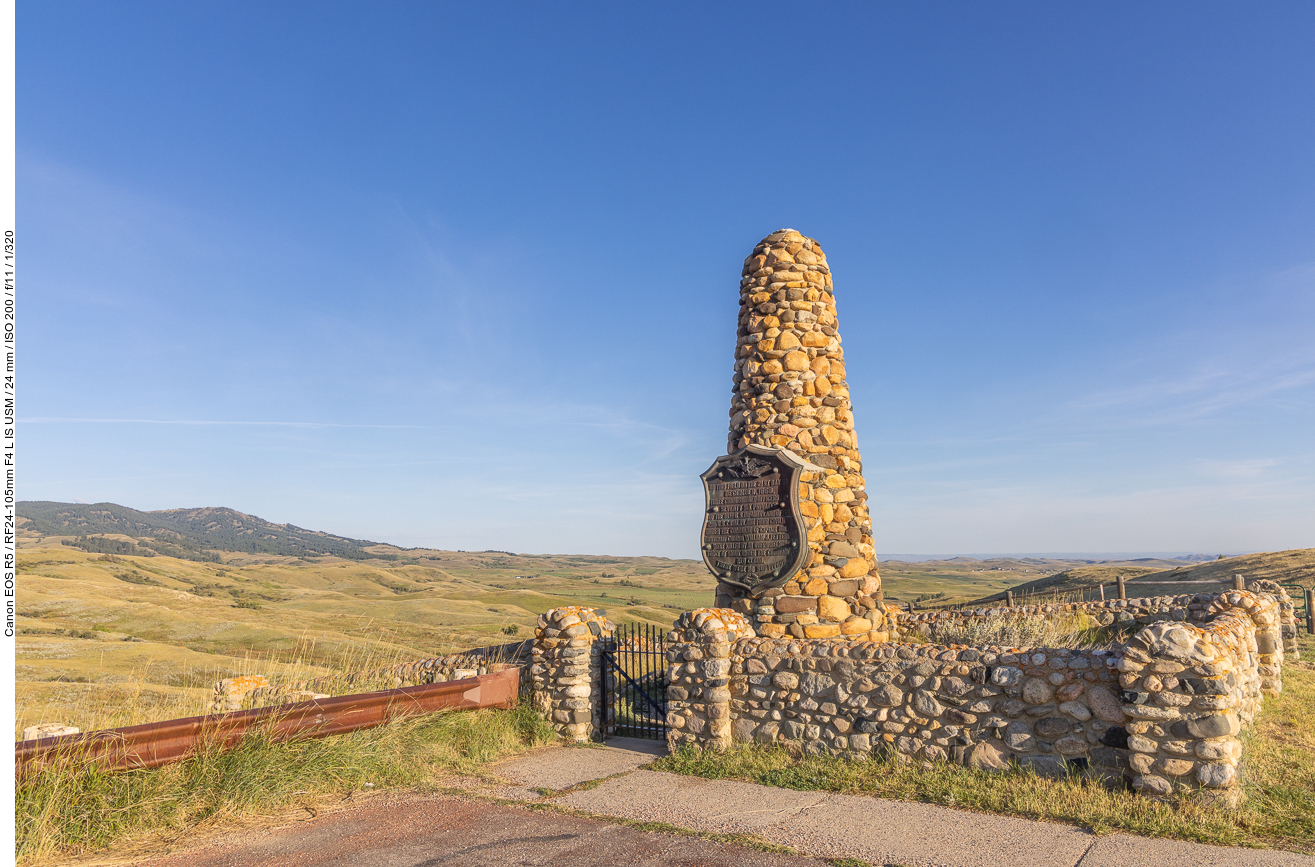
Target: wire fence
[(1117, 589)]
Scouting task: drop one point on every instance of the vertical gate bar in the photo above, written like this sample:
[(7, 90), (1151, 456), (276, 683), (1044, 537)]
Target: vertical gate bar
[(660, 727), (630, 665), (629, 699), (652, 662), (635, 632), (660, 679), (620, 696), (640, 677), (611, 693), (648, 664)]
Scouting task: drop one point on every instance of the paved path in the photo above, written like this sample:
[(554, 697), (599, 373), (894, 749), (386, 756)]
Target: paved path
[(845, 826), (443, 831), (610, 781)]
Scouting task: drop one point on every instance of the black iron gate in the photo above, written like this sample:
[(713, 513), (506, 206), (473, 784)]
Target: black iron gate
[(635, 682)]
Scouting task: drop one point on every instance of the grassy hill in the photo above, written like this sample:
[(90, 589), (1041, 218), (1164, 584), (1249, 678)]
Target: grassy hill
[(114, 629), (1296, 565), (189, 534), (111, 639)]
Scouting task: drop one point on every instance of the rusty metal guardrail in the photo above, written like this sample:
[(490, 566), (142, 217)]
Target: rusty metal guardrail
[(155, 744)]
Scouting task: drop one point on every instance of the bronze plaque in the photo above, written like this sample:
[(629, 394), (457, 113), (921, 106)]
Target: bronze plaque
[(753, 535)]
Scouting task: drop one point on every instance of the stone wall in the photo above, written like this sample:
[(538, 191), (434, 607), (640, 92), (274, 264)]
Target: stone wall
[(1163, 710), (790, 392), (566, 670), (1129, 614)]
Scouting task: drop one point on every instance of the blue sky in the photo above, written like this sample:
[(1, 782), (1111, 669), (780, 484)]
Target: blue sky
[(465, 275)]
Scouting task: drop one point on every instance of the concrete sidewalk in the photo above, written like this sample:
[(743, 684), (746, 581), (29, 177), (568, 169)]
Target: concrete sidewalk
[(826, 825)]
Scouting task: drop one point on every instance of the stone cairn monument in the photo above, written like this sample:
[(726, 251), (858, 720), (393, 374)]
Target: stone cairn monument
[(786, 531)]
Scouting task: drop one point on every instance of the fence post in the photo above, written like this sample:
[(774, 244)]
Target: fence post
[(1102, 593), (1310, 611), (1123, 591), (1009, 598), (1239, 583)]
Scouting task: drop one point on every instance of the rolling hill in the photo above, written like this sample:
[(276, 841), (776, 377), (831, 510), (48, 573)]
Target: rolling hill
[(126, 616), (188, 534), (1296, 565)]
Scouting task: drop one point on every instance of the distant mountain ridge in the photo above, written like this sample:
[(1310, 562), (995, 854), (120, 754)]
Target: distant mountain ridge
[(189, 534)]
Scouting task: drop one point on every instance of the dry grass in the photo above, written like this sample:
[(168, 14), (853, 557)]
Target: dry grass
[(76, 808), (92, 634), (1018, 630), (1278, 774), (129, 697)]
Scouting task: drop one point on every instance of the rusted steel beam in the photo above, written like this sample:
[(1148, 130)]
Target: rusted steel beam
[(155, 744)]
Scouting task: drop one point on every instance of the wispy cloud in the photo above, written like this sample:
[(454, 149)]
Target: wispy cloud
[(1237, 469)]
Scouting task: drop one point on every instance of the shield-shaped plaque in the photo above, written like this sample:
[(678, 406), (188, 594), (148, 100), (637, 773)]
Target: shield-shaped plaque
[(753, 535)]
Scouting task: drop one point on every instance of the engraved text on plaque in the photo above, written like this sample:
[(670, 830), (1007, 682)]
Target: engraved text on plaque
[(753, 535)]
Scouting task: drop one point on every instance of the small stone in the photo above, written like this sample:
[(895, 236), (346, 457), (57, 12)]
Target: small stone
[(1018, 736), (816, 587), (1104, 705), (842, 588), (1215, 776), (855, 568), (1006, 676), (1213, 750), (986, 756), (1219, 725), (1037, 691), (1149, 784), (843, 549), (1173, 767), (797, 604), (925, 704), (1051, 727), (854, 625), (785, 680), (888, 695), (1076, 709), (831, 608), (1140, 744), (1071, 746)]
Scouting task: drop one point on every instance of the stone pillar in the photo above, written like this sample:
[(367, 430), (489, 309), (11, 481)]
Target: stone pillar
[(1191, 690), (791, 393), (698, 677), (568, 677), (1288, 625)]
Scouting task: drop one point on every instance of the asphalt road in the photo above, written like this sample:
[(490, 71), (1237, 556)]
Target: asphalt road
[(439, 830)]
